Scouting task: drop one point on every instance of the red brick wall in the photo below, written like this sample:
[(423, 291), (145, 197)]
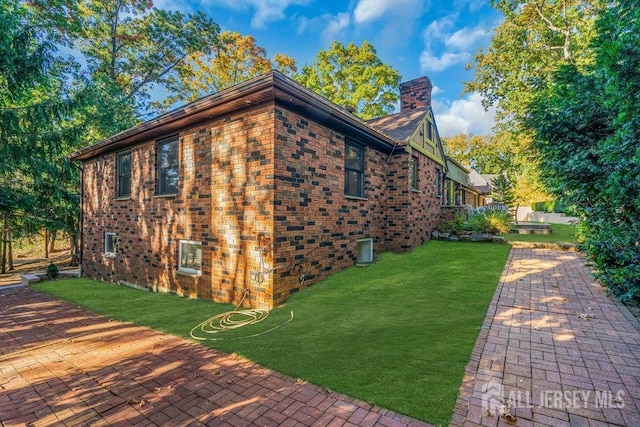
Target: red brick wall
[(224, 200), (264, 191), (411, 213), (415, 94), (317, 227)]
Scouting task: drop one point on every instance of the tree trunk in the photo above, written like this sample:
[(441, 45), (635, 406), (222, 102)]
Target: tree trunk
[(3, 267), (73, 243), (10, 243), (516, 216), (52, 241), (46, 243)]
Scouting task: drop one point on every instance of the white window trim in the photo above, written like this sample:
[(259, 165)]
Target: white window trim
[(184, 270), (107, 236)]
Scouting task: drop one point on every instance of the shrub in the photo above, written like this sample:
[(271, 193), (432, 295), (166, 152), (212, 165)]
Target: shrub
[(491, 222), (454, 226), (52, 271), (551, 206)]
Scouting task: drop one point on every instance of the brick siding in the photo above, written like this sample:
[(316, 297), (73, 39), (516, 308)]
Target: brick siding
[(415, 94), (263, 190)]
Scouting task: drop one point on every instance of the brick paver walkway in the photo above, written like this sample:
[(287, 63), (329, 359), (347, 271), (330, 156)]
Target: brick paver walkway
[(61, 365), (554, 348)]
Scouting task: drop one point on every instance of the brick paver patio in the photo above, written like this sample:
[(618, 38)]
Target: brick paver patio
[(61, 365), (554, 348)]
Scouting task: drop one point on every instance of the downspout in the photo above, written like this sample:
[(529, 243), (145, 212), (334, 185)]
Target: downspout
[(81, 216)]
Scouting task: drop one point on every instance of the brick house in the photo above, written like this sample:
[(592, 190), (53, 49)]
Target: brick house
[(262, 188)]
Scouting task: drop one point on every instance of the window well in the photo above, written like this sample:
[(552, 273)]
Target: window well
[(364, 251)]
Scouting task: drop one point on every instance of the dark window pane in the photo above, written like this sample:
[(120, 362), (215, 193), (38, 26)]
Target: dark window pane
[(353, 158), (413, 165), (353, 183), (124, 174), (354, 170), (168, 167)]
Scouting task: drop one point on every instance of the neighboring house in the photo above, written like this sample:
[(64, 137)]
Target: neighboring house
[(482, 184), (260, 189)]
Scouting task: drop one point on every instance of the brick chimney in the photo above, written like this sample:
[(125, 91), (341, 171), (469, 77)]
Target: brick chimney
[(415, 94)]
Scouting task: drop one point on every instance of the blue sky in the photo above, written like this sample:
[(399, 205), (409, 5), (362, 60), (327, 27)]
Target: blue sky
[(417, 37)]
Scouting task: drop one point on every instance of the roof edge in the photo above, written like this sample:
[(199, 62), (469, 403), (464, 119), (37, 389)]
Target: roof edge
[(275, 81)]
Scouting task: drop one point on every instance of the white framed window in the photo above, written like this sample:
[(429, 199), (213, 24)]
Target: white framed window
[(110, 244), (190, 257), (364, 250)]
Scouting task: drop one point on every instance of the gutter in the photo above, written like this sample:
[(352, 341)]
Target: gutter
[(274, 85)]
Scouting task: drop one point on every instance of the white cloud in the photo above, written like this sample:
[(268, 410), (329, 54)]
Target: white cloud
[(431, 62), (465, 115), (370, 10), (436, 90), (437, 30), (265, 10), (330, 27), (454, 47), (467, 37), (335, 27)]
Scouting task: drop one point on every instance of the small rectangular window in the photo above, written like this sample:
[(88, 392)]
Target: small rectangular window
[(110, 244), (429, 127), (438, 183), (354, 170), (167, 166), (413, 171), (124, 174), (190, 257)]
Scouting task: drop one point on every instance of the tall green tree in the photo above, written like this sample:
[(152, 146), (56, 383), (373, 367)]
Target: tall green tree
[(34, 102), (484, 153), (136, 46), (535, 38), (587, 128), (527, 47), (233, 59), (354, 77), (502, 191)]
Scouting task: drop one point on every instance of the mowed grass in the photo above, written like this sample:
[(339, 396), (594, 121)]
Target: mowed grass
[(560, 233), (396, 334)]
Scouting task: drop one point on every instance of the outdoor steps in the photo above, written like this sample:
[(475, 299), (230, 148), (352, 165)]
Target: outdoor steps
[(531, 228)]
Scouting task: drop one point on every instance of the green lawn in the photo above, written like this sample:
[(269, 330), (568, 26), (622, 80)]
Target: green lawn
[(397, 333), (560, 233)]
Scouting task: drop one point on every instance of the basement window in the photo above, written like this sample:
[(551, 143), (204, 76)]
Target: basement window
[(110, 243), (190, 257), (364, 251)]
